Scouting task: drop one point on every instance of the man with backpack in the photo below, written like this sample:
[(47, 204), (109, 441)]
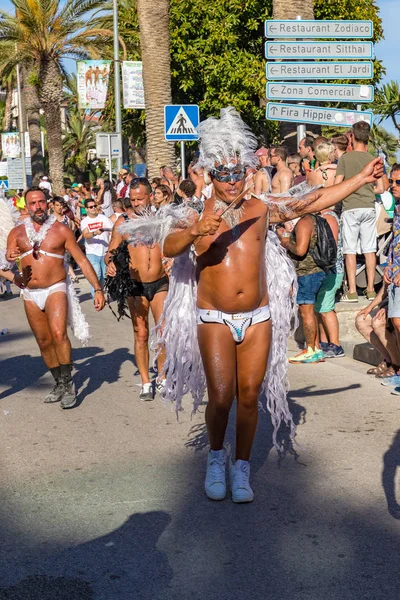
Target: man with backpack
[(313, 250)]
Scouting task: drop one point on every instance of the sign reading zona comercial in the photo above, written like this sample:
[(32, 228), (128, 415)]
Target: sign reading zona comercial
[(319, 91), (302, 50), (316, 114), (319, 70), (318, 29)]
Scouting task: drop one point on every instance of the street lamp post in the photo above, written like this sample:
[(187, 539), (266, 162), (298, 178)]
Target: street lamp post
[(117, 80), (21, 129)]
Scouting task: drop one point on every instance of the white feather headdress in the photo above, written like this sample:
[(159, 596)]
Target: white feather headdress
[(226, 140)]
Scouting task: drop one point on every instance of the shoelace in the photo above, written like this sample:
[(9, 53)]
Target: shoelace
[(241, 477), (217, 469)]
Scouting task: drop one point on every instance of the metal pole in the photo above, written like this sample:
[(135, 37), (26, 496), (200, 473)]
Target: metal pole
[(183, 166), (21, 129), (301, 128), (109, 158), (117, 79)]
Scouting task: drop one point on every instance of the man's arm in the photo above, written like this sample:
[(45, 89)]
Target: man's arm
[(73, 248), (88, 235), (12, 252), (339, 179), (176, 243), (326, 197), (285, 180), (116, 239), (259, 180), (299, 245)]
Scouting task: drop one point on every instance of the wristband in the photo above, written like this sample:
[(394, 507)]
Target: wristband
[(99, 290)]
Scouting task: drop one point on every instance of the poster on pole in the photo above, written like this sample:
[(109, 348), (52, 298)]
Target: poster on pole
[(132, 84), (10, 145), (93, 78)]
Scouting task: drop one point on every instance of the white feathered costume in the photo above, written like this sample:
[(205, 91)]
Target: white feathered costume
[(221, 140), (10, 218)]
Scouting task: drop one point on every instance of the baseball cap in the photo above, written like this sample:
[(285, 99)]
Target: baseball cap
[(122, 172), (262, 151), (74, 185)]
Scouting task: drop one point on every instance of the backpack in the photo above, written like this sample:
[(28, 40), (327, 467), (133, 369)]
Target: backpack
[(324, 252)]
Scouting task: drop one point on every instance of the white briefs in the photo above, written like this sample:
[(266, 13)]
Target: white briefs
[(40, 295), (238, 322)]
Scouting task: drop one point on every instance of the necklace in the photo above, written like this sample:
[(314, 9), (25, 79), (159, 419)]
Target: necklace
[(37, 237), (231, 217)]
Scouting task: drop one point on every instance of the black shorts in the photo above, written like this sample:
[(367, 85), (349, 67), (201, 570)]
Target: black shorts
[(149, 290)]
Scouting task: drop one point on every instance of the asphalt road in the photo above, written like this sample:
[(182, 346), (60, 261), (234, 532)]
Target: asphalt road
[(105, 501)]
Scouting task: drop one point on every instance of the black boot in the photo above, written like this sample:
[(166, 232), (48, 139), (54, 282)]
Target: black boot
[(56, 393)]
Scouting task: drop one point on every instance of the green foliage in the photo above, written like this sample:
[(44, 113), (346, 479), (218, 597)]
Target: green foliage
[(387, 103), (78, 140), (217, 57)]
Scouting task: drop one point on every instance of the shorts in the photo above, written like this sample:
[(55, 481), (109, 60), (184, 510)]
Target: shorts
[(309, 286), (394, 301), (359, 225), (327, 292), (149, 290), (40, 295)]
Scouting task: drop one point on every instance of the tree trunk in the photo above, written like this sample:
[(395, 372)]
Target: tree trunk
[(8, 107), (290, 10), (51, 98), (154, 45), (32, 105)]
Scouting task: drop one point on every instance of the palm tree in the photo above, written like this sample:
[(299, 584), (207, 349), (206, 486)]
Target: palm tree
[(387, 103), (31, 103), (78, 140), (154, 44), (44, 32)]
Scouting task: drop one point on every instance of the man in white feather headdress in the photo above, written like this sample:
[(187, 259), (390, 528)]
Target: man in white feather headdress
[(244, 282), (40, 242)]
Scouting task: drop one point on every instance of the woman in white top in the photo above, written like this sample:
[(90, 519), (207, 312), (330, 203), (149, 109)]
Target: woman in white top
[(106, 196)]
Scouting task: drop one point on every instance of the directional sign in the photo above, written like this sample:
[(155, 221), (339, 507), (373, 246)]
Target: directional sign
[(108, 144), (319, 70), (302, 50), (15, 178), (319, 29), (318, 91), (316, 114), (181, 122)]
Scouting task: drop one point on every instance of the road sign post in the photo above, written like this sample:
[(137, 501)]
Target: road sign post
[(109, 145)]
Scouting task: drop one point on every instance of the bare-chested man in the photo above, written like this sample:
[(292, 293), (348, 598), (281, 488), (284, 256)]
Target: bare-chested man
[(282, 181), (41, 243), (149, 289), (262, 179), (234, 324)]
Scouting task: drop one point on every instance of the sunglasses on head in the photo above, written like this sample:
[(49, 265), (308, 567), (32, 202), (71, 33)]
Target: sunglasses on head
[(394, 181), (224, 174), (136, 180)]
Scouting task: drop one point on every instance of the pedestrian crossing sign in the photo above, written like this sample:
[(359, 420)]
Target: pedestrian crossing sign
[(181, 122), (4, 185)]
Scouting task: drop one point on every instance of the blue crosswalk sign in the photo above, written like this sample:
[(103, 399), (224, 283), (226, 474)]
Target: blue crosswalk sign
[(181, 122)]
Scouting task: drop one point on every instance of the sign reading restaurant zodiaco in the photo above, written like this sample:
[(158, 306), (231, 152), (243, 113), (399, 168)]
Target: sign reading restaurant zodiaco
[(319, 29)]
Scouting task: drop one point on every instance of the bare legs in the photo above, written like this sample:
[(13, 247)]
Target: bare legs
[(50, 329), (328, 327), (351, 266), (310, 327), (139, 308), (233, 369), (375, 332)]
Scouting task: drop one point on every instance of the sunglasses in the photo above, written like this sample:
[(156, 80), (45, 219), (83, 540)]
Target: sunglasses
[(394, 181), (91, 206), (137, 180), (225, 174)]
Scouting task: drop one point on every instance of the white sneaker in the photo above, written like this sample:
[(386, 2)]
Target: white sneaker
[(146, 393), (215, 483), (240, 486), (161, 386)]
